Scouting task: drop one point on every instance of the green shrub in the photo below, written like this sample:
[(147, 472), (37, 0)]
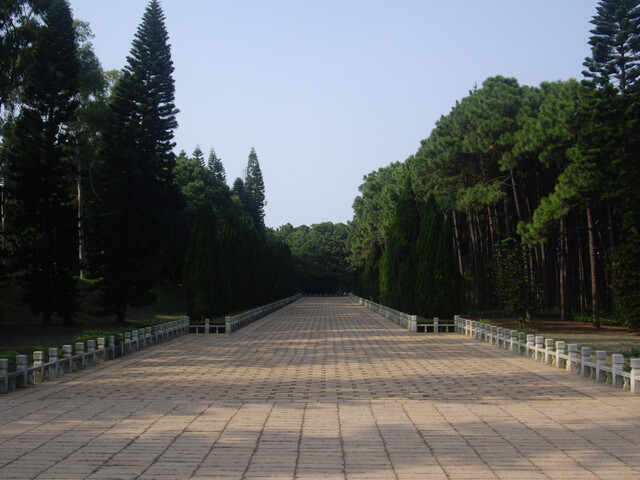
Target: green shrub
[(93, 335), (611, 322), (11, 356)]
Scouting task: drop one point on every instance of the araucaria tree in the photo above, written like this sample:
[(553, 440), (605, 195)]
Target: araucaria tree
[(40, 173), (254, 190), (135, 191)]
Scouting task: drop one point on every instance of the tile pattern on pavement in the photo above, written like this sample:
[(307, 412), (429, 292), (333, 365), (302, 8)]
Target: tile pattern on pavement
[(323, 389)]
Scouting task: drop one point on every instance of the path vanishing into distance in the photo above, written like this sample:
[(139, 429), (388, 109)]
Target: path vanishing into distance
[(323, 389)]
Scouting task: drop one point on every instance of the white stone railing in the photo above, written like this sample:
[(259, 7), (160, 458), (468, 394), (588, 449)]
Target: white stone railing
[(579, 361), (206, 327), (405, 320), (84, 354), (236, 322)]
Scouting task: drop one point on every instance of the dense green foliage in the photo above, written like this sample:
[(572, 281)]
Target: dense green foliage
[(134, 186), (554, 168), (92, 186), (320, 256), (42, 222)]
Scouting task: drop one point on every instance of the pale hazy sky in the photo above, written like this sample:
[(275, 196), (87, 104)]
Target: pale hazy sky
[(328, 91)]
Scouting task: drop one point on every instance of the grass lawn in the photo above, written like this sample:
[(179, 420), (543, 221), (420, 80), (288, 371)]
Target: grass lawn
[(609, 338)]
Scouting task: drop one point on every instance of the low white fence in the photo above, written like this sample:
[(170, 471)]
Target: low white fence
[(206, 327), (236, 322), (406, 321), (84, 354), (569, 357)]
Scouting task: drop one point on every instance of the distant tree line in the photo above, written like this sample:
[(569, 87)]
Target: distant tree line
[(320, 256), (92, 188), (539, 179)]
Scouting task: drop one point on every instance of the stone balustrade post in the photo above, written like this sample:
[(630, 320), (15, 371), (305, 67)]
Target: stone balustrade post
[(413, 323), (531, 339), (91, 348), (102, 351), (573, 357), (617, 361), (522, 343), (548, 350), (514, 341), (206, 325), (80, 351), (67, 355), (560, 350), (601, 361), (141, 338), (585, 357), (4, 375), (53, 359), (21, 366), (493, 337), (38, 360), (456, 320), (135, 340), (127, 343), (227, 325), (500, 337), (539, 347), (154, 333), (147, 336), (111, 340), (436, 326), (634, 375)]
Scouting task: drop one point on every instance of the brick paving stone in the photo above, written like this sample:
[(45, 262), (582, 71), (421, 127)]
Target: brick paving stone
[(323, 389)]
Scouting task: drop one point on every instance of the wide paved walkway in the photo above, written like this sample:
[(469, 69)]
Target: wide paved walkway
[(323, 389)]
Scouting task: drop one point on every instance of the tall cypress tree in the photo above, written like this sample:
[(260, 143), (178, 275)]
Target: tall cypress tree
[(203, 276), (254, 188), (136, 194), (41, 173)]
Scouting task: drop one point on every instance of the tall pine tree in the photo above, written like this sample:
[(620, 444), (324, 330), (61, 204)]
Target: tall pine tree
[(136, 192), (254, 189), (215, 165), (41, 171)]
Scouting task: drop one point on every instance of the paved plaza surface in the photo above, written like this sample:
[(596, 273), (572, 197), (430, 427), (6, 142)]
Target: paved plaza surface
[(323, 389)]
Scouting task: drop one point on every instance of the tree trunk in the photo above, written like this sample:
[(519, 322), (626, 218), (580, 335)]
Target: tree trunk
[(476, 260), (456, 239), (121, 311), (81, 249), (593, 261), (562, 266), (458, 250)]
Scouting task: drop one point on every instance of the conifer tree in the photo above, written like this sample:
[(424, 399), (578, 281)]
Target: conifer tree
[(136, 193), (215, 165), (202, 275), (198, 156), (41, 173), (254, 188), (398, 263), (615, 64)]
